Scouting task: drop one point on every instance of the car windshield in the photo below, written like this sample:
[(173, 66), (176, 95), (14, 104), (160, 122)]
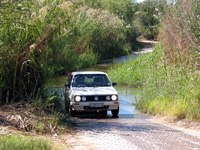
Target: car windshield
[(90, 80)]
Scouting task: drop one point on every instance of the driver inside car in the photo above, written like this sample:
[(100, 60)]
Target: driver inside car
[(79, 80)]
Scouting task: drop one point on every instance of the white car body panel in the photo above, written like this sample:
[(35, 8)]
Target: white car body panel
[(94, 90)]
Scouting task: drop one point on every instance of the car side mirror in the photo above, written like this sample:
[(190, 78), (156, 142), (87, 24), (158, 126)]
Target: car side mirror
[(113, 84), (67, 85)]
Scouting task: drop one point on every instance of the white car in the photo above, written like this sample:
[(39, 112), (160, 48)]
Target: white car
[(91, 92)]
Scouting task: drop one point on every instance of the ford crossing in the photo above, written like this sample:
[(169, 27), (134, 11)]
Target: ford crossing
[(91, 91)]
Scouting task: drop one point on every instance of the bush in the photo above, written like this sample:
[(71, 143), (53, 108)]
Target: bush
[(124, 9), (94, 33), (148, 18)]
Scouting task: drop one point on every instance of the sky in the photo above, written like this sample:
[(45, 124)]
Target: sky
[(140, 1)]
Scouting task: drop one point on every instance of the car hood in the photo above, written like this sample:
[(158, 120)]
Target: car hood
[(94, 91)]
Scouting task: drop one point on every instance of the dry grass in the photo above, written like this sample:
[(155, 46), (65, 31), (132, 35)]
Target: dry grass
[(177, 35), (26, 117), (18, 116)]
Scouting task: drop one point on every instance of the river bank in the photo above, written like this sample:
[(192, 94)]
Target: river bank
[(165, 89)]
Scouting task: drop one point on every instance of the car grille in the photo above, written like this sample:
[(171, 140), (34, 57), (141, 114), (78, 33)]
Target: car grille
[(100, 98), (96, 108)]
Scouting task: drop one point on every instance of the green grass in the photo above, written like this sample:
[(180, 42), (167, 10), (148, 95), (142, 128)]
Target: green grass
[(165, 88), (19, 142)]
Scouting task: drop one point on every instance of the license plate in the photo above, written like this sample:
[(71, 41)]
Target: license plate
[(96, 105)]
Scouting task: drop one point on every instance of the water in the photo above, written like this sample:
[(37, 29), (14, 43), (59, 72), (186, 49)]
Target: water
[(60, 81), (126, 93)]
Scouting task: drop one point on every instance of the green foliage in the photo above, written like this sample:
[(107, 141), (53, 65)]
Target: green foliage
[(42, 38), (93, 35), (51, 117), (27, 27), (68, 58), (50, 121), (44, 101), (124, 73), (16, 142), (169, 77), (165, 88), (196, 25), (125, 9), (148, 18), (103, 31)]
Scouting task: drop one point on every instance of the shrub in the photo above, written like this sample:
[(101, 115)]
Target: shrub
[(124, 9), (93, 32), (148, 18)]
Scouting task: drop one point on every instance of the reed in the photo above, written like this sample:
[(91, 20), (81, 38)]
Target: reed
[(169, 78), (27, 28), (165, 88)]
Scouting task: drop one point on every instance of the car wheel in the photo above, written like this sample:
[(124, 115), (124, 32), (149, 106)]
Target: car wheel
[(72, 113), (104, 113), (115, 112)]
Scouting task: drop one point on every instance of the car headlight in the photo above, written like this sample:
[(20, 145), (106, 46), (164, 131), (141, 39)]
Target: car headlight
[(84, 98), (78, 98), (107, 98), (114, 97)]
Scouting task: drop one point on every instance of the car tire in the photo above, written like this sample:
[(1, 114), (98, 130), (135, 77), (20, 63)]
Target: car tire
[(104, 113), (115, 112), (72, 113)]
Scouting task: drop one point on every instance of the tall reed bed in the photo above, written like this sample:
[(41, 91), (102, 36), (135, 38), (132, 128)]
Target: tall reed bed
[(167, 89), (27, 28), (169, 78), (179, 33)]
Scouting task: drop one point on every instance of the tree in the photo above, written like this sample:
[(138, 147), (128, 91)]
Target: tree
[(148, 18)]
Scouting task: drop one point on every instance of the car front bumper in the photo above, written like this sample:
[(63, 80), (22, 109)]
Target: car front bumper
[(94, 106)]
